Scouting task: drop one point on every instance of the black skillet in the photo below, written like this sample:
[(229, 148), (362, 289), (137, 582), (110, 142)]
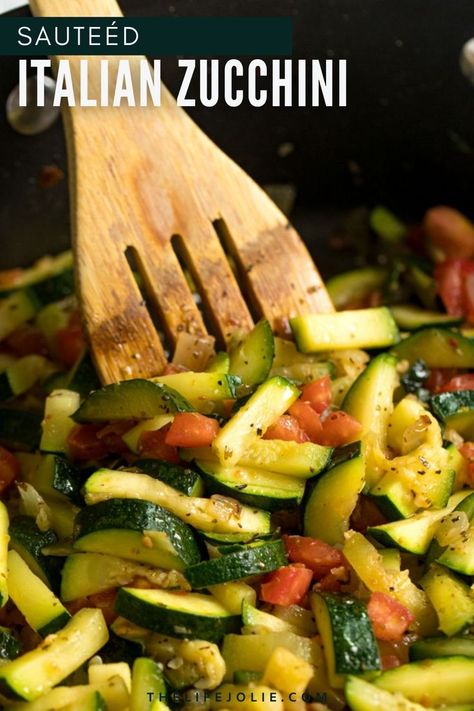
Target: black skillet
[(406, 138)]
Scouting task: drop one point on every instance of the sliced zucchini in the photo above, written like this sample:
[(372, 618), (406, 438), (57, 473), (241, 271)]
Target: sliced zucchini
[(368, 565), (148, 684), (101, 673), (438, 347), (43, 269), (364, 328), (391, 559), (258, 619), (303, 459), (415, 533), (36, 672), (62, 515), (16, 309), (362, 696), (132, 437), (20, 429), (69, 698), (57, 477), (27, 540), (135, 399), (347, 636), (355, 286), (210, 515), (451, 598), (386, 225), (446, 680), (370, 402), (431, 648), (411, 318), (182, 479), (252, 651), (234, 595), (58, 423), (203, 391), (251, 359), (86, 574), (42, 610), (252, 559), (4, 540), (22, 375), (94, 701), (451, 522), (269, 401), (219, 363), (10, 647), (459, 554), (53, 317), (136, 530), (254, 487), (456, 410), (190, 615), (83, 378), (334, 496)]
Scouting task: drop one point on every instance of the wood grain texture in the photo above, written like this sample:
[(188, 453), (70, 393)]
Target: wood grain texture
[(141, 175)]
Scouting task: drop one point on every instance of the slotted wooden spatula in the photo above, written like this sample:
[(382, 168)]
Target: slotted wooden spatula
[(145, 181)]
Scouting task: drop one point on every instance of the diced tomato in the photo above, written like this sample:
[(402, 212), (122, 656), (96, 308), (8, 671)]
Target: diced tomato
[(83, 442), (439, 377), (286, 428), (448, 277), (286, 586), (70, 341), (459, 382), (318, 394), (390, 619), (339, 428), (317, 555), (191, 429), (105, 601), (307, 418), (9, 469), (27, 340), (450, 231), (111, 436), (152, 444)]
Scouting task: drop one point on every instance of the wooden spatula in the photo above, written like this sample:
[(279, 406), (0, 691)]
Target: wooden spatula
[(147, 182)]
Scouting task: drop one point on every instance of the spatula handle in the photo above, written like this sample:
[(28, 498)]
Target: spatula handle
[(75, 8)]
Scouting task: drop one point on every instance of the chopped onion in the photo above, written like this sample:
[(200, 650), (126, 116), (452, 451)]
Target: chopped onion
[(193, 352)]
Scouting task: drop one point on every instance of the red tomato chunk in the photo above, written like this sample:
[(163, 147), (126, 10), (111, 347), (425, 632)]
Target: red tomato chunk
[(286, 586), (390, 619), (316, 555), (191, 429)]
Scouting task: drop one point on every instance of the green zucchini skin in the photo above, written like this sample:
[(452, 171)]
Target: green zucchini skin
[(20, 429), (348, 639), (260, 488), (456, 409), (135, 399), (334, 495), (444, 680), (27, 539), (10, 647), (252, 559), (412, 318), (162, 611), (54, 288), (138, 516), (438, 347), (56, 476), (83, 378), (433, 647), (183, 479), (251, 360)]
